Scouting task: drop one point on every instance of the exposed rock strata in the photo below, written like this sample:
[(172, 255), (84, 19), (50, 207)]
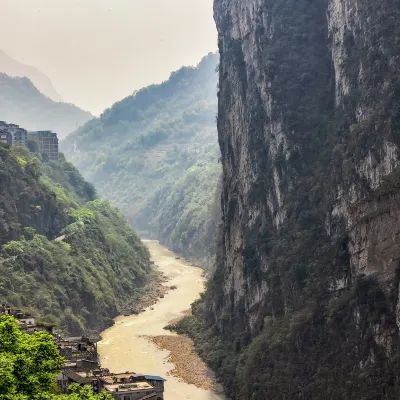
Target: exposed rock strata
[(309, 130)]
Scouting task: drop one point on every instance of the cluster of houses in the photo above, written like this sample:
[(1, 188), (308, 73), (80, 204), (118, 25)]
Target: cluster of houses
[(82, 365), (27, 322), (46, 141)]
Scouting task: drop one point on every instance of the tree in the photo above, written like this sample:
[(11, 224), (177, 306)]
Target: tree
[(29, 365)]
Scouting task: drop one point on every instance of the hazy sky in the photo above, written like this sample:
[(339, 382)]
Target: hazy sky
[(98, 51)]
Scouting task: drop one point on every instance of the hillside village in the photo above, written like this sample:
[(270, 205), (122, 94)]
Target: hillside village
[(43, 141), (82, 365)]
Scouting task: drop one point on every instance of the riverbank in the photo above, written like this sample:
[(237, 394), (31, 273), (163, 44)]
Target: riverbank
[(147, 296), (188, 366), (132, 344)]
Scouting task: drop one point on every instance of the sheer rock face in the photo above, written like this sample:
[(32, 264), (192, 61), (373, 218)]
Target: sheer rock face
[(370, 219), (308, 100)]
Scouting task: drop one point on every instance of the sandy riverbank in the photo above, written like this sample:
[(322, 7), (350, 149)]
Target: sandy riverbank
[(188, 366)]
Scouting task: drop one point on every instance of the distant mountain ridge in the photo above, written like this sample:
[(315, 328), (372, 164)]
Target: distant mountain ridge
[(15, 68), (155, 155), (22, 103)]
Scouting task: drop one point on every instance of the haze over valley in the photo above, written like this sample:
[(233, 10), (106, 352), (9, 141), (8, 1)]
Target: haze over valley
[(155, 155), (23, 104), (13, 68), (96, 52), (184, 223)]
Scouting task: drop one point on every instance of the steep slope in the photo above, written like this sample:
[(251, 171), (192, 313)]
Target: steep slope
[(23, 104), (14, 69), (154, 155), (304, 303), (82, 280)]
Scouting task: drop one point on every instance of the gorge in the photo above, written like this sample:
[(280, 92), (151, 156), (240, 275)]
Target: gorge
[(155, 155), (295, 217)]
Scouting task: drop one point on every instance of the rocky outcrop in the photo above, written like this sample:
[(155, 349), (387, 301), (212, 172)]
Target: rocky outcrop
[(309, 129)]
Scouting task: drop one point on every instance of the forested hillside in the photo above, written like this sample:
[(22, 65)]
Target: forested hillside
[(81, 282), (23, 104), (155, 155)]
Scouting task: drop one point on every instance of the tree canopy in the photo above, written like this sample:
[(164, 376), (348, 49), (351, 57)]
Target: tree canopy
[(29, 365)]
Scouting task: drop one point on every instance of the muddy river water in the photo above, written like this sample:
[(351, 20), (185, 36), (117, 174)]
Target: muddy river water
[(123, 349)]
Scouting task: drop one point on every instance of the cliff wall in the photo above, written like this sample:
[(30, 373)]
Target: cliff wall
[(307, 279)]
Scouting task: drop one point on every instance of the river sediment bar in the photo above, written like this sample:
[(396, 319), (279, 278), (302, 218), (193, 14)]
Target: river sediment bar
[(188, 365)]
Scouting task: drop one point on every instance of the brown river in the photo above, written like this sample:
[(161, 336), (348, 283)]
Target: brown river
[(123, 349)]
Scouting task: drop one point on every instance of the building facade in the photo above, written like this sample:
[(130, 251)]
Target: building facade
[(47, 142), (6, 137), (124, 386), (130, 386), (19, 136)]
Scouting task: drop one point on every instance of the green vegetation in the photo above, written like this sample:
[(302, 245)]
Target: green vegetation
[(323, 339), (29, 365), (81, 282), (37, 195), (155, 156), (286, 315), (22, 103)]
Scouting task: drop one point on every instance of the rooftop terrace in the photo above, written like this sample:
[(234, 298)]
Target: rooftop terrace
[(129, 387)]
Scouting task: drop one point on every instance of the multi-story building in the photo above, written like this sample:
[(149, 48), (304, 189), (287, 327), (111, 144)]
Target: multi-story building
[(19, 136), (130, 386), (125, 386), (47, 142), (74, 349), (6, 137)]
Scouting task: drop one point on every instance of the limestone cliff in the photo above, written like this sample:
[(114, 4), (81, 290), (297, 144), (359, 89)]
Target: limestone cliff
[(306, 288)]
